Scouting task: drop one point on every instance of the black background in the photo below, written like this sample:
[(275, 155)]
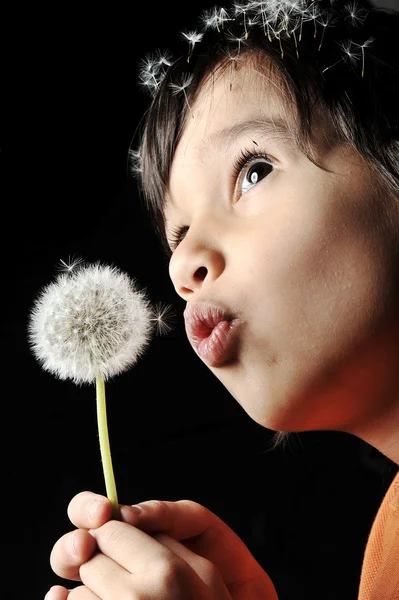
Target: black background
[(71, 106)]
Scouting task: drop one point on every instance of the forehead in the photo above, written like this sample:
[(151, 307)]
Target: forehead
[(240, 91)]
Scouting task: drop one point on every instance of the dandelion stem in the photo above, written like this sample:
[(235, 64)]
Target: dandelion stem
[(105, 447)]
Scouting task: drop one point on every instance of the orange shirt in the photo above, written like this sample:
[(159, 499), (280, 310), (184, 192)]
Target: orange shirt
[(380, 570)]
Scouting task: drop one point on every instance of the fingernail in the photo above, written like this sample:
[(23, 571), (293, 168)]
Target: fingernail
[(130, 513)]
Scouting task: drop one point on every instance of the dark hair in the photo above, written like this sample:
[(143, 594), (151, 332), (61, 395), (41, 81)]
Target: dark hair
[(337, 58)]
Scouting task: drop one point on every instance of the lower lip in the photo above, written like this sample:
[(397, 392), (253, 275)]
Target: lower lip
[(218, 347)]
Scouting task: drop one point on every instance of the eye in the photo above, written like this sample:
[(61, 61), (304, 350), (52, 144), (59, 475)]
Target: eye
[(250, 169), (255, 174)]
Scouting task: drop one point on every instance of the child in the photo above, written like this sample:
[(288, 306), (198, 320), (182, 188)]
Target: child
[(269, 161)]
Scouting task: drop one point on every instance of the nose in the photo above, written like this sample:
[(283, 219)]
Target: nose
[(195, 264)]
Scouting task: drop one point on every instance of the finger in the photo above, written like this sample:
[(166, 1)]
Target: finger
[(87, 510), (106, 578), (204, 568), (129, 547), (57, 592), (70, 552)]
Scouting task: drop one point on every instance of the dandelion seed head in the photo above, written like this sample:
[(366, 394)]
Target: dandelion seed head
[(92, 321)]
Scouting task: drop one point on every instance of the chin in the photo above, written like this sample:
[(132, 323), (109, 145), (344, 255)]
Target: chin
[(260, 403), (273, 404)]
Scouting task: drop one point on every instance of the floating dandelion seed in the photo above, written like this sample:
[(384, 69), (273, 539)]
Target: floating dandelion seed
[(90, 324), (163, 317)]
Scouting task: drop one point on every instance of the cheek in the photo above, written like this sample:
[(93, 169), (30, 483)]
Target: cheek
[(319, 274)]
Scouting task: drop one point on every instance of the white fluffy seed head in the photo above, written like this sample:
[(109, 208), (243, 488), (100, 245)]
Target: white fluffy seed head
[(92, 321)]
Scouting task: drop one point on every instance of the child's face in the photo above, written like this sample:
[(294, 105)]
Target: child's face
[(302, 258)]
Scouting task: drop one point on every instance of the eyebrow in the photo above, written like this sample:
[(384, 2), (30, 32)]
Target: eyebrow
[(273, 128)]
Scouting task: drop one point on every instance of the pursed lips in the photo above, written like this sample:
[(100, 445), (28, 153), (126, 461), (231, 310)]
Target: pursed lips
[(210, 330)]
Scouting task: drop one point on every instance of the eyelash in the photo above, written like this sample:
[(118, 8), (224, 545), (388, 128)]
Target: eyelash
[(246, 156), (175, 237)]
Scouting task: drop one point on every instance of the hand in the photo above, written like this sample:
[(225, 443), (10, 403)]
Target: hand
[(168, 551)]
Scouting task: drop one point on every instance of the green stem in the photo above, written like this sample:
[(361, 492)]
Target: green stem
[(105, 448)]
